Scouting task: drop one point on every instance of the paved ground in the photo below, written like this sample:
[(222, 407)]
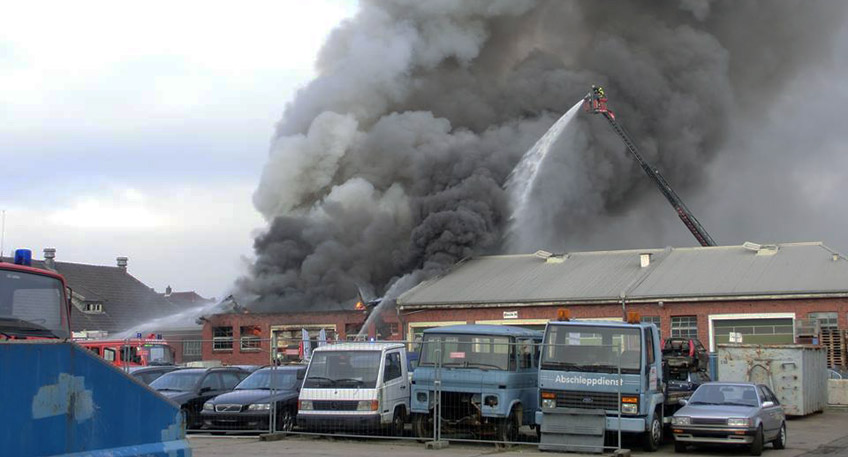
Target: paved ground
[(817, 435)]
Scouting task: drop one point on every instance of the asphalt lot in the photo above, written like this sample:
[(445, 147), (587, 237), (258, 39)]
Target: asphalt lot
[(824, 434)]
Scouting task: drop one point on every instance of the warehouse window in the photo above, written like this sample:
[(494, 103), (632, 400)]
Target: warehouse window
[(825, 320), (191, 348), (653, 320), (250, 338), (684, 326), (222, 338)]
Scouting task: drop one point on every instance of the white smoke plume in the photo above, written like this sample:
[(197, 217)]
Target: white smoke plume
[(390, 165)]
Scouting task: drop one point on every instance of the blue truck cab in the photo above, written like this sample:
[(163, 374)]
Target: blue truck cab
[(487, 378), (592, 370)]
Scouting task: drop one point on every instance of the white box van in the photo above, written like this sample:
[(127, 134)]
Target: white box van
[(355, 387)]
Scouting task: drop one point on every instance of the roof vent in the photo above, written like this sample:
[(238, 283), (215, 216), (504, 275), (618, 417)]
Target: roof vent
[(751, 246), (49, 258), (555, 259), (122, 263), (543, 254), (645, 259), (761, 249)]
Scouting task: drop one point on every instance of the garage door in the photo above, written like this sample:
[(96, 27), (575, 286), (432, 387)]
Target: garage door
[(755, 331)]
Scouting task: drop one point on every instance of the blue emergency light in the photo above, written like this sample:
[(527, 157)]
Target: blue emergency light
[(23, 257), (138, 335)]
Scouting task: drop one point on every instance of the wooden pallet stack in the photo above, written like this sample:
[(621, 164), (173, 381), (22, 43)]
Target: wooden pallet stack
[(834, 341)]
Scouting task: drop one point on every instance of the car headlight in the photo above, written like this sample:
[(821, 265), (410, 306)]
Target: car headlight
[(738, 422), (304, 405), (680, 420), (368, 405), (548, 403), (259, 407), (208, 406), (629, 408)]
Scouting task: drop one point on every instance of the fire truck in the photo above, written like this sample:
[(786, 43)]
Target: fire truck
[(52, 387), (132, 352)]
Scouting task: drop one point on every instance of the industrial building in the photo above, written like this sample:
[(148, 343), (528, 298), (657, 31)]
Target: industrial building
[(783, 293)]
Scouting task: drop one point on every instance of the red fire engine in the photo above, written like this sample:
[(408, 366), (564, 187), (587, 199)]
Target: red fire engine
[(132, 352)]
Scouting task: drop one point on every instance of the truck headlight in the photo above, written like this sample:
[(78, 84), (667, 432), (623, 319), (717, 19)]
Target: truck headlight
[(368, 405), (491, 400), (259, 407), (208, 406), (738, 422), (548, 403), (629, 408), (680, 420), (421, 397), (304, 405)]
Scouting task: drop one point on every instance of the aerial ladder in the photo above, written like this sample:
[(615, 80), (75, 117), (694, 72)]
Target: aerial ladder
[(596, 102)]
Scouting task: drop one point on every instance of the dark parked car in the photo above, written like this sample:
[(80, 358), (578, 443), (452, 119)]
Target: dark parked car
[(248, 406), (731, 413), (150, 374), (191, 387), (682, 384)]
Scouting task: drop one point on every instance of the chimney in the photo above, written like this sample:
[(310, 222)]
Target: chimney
[(168, 291), (49, 256), (122, 263), (645, 260)]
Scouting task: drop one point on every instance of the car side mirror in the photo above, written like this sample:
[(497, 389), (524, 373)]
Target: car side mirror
[(683, 401), (203, 390), (768, 404)]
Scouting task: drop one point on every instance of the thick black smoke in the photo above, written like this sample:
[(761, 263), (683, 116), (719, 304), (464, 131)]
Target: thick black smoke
[(390, 165)]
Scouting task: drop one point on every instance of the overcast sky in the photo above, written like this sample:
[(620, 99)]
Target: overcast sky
[(140, 130)]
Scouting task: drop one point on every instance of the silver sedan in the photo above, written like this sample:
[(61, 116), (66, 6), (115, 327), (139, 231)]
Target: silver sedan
[(732, 413)]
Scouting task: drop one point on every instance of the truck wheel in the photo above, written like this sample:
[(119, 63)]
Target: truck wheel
[(422, 425), (757, 445), (398, 422), (653, 437), (780, 441), (506, 429)]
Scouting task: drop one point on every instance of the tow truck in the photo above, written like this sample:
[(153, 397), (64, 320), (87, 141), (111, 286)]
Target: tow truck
[(61, 399)]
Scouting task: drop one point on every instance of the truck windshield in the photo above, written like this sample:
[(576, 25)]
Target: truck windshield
[(592, 349), (159, 354), (31, 305), (343, 369), (467, 351)]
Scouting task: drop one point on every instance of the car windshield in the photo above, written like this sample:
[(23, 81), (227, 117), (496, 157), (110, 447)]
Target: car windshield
[(177, 380), (266, 379), (31, 305), (344, 369), (723, 394), (466, 351), (592, 348)]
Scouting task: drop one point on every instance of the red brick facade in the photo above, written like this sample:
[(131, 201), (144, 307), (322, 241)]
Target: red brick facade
[(339, 323)]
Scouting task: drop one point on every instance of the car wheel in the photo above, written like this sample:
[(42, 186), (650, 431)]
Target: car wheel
[(780, 441), (285, 420), (757, 445), (653, 437), (679, 447), (422, 425), (506, 430)]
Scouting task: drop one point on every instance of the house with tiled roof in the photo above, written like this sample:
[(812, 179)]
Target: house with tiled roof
[(107, 299)]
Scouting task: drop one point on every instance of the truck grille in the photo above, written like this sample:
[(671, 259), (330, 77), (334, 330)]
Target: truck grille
[(587, 400), (338, 405), (228, 408)]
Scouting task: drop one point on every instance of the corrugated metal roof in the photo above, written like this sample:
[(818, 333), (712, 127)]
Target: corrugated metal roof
[(722, 271)]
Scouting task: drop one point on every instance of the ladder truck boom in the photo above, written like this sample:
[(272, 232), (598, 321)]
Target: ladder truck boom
[(596, 102)]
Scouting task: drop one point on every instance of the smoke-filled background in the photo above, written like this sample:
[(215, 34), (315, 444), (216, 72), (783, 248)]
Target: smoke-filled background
[(390, 165)]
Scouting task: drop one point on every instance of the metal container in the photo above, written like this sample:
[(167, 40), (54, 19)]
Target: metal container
[(796, 373)]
